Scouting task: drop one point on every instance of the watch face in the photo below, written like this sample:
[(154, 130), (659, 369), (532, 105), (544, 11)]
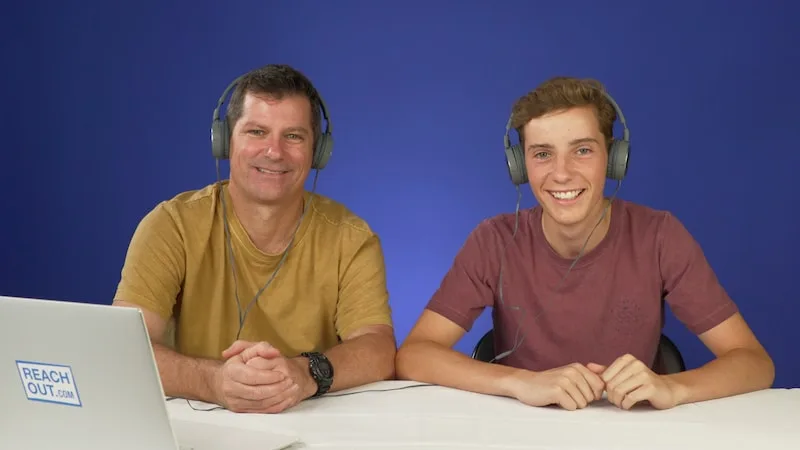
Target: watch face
[(325, 369)]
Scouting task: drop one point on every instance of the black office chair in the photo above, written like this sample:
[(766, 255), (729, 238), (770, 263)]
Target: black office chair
[(668, 357)]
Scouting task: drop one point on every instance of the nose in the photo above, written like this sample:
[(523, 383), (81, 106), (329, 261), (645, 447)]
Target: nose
[(562, 168), (273, 149)]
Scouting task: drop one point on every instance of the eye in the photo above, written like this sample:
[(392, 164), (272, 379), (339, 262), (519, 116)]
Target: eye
[(256, 132), (540, 155), (584, 151), (294, 136)]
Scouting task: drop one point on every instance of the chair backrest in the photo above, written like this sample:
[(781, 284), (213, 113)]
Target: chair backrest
[(668, 357)]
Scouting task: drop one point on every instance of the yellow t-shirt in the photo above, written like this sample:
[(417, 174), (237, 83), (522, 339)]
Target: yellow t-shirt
[(332, 282)]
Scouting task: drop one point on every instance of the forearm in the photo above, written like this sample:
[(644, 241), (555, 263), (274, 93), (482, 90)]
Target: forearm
[(362, 360), (186, 377), (429, 362), (737, 372)]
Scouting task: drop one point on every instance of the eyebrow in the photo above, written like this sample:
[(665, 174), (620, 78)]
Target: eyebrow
[(298, 129), (571, 143)]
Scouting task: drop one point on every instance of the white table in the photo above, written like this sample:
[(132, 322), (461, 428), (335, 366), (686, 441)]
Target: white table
[(435, 417)]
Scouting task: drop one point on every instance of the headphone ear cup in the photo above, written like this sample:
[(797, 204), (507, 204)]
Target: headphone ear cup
[(322, 151), (516, 164), (220, 139), (618, 156)]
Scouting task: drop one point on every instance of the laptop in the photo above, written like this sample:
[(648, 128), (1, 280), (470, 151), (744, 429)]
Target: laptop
[(83, 376)]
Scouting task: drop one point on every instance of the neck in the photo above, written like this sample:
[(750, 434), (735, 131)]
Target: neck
[(270, 227), (568, 241)]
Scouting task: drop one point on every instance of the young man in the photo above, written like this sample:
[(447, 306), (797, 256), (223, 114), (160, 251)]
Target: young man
[(277, 294), (578, 308)]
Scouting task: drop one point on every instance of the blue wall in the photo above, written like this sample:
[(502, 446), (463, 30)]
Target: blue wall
[(106, 111)]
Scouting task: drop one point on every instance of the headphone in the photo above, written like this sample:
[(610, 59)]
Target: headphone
[(221, 132), (618, 153)]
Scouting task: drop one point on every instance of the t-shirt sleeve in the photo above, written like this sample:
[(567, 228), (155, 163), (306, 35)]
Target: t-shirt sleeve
[(363, 295), (466, 289), (691, 287), (154, 267)]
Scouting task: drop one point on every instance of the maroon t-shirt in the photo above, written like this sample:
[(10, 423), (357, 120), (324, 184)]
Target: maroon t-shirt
[(610, 304)]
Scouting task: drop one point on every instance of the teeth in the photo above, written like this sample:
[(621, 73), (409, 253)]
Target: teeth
[(269, 171), (566, 195)]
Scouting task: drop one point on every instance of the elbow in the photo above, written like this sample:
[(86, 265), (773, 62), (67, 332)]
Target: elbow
[(767, 366), (387, 370), (404, 362), (384, 367)]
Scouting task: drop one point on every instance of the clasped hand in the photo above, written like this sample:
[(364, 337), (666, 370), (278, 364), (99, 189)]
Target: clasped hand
[(256, 378), (627, 381)]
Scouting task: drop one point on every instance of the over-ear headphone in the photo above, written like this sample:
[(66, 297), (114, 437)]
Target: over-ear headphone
[(618, 153), (221, 132)]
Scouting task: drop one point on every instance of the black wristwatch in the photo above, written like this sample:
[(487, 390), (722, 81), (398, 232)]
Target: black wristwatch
[(321, 371)]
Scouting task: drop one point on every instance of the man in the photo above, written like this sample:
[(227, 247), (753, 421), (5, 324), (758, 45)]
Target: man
[(277, 295), (579, 308)]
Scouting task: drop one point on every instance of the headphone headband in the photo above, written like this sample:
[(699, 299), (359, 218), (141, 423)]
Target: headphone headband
[(221, 130), (618, 152)]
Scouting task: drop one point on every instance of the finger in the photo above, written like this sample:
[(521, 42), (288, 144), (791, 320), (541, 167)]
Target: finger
[(579, 380), (252, 376), (617, 366), (624, 388), (631, 369), (236, 348), (596, 368), (261, 363), (282, 406), (290, 393), (569, 386), (595, 383), (273, 393), (238, 391), (565, 400), (642, 393), (261, 349), (277, 364)]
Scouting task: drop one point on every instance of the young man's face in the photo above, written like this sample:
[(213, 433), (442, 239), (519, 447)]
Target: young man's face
[(566, 159)]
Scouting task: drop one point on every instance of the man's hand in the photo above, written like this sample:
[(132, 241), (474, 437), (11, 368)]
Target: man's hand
[(241, 387), (572, 387), (266, 358), (629, 381)]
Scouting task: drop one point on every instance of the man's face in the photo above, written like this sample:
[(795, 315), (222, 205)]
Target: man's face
[(566, 157), (272, 147)]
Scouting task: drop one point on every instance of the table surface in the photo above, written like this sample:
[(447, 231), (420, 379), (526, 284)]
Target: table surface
[(405, 415)]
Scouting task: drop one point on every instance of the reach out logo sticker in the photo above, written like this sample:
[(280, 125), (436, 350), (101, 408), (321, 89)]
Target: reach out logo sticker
[(50, 383)]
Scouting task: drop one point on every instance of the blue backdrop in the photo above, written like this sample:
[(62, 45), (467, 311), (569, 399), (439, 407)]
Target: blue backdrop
[(107, 111)]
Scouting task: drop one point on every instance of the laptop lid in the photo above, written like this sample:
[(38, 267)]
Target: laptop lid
[(80, 376)]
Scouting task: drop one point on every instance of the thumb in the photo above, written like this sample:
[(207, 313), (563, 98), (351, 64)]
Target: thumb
[(261, 349), (236, 348), (596, 368)]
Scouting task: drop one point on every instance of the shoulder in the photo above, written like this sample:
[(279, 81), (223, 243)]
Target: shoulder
[(639, 215), (332, 216), (172, 218), (192, 202), (485, 242), (502, 225), (660, 226), (186, 205), (645, 222)]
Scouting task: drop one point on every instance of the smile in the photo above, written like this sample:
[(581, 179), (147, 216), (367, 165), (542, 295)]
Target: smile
[(566, 195), (271, 172)]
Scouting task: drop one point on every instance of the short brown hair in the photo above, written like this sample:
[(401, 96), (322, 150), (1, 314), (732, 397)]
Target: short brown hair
[(276, 81), (560, 93)]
